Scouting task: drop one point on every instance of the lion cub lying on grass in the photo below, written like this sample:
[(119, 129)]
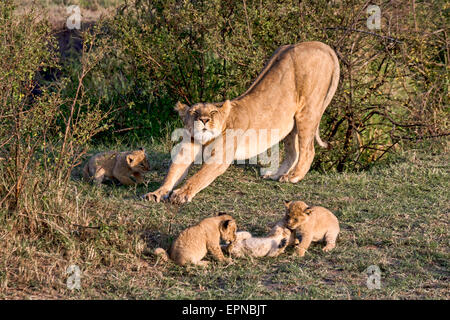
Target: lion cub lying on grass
[(313, 224), (127, 167), (195, 242), (271, 246)]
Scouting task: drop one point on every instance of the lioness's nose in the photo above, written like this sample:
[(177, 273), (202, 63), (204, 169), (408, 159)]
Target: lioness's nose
[(204, 120)]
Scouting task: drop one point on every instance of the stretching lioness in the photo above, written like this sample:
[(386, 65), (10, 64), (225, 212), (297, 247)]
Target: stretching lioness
[(127, 167), (195, 242), (313, 224), (285, 102), (271, 246)]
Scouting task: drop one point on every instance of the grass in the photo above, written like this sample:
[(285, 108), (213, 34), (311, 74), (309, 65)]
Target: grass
[(394, 216)]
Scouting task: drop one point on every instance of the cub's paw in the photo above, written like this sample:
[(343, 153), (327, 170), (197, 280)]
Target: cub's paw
[(203, 263), (300, 252), (328, 248), (180, 196)]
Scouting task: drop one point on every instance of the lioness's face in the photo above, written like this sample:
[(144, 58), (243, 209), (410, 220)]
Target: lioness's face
[(296, 214), (138, 162), (204, 121)]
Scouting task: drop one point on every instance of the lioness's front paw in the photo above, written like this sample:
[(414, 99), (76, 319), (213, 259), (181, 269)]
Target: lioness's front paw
[(155, 196), (180, 196), (289, 178)]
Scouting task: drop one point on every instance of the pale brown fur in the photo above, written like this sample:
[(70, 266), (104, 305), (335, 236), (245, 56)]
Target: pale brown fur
[(127, 167), (271, 246), (195, 242), (313, 224), (289, 95)]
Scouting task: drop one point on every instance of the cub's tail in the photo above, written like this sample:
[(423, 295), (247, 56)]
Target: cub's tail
[(160, 252)]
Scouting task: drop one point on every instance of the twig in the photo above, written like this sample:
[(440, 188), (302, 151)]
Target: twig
[(366, 32)]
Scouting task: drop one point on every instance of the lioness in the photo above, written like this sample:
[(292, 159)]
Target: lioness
[(271, 246), (285, 102), (313, 224), (195, 242), (127, 167)]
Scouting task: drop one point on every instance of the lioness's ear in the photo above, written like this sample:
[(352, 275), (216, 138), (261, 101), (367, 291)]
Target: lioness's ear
[(226, 108), (130, 159), (287, 203), (181, 109)]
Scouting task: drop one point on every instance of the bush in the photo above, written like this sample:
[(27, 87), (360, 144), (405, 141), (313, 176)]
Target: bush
[(43, 135)]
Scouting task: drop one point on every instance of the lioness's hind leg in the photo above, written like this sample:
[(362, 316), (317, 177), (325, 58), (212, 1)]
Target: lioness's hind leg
[(304, 163), (291, 151), (306, 126)]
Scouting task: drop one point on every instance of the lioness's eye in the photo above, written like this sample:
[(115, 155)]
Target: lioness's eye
[(212, 113)]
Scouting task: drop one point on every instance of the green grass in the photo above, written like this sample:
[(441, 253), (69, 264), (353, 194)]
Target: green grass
[(394, 216)]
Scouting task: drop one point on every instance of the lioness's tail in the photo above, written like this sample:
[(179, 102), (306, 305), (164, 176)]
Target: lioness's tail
[(160, 252), (321, 143), (331, 91)]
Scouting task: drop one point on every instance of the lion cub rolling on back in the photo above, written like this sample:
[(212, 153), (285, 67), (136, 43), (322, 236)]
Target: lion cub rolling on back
[(271, 246), (313, 224), (127, 167), (195, 242)]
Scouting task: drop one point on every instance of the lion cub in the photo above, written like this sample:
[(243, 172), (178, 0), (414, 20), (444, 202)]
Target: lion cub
[(127, 167), (271, 246), (195, 242), (313, 224)]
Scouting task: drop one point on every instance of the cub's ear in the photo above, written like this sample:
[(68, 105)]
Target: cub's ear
[(282, 243), (227, 224), (221, 213), (141, 149), (130, 159), (287, 203), (226, 108), (181, 109), (308, 211)]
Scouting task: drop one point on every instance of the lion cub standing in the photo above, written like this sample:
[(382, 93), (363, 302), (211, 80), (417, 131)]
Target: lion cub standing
[(271, 246), (195, 242), (127, 167), (313, 224)]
